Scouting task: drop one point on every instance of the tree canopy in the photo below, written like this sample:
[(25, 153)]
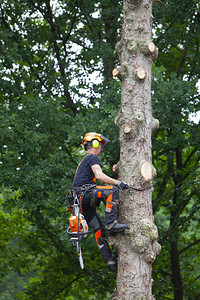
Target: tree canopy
[(56, 84)]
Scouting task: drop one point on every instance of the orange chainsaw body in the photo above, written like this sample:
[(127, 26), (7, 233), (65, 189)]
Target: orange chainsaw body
[(75, 224), (78, 225)]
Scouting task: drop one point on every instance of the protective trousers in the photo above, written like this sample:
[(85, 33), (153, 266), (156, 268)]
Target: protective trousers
[(92, 199)]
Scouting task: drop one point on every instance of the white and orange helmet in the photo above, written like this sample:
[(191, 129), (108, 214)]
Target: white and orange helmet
[(92, 136)]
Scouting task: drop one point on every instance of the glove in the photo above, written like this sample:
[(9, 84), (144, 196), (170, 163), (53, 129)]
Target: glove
[(122, 185)]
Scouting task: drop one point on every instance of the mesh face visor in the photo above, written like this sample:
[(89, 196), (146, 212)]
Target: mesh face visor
[(104, 140)]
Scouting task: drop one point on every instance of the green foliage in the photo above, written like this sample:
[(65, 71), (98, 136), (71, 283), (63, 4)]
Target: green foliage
[(13, 224), (177, 33), (49, 56)]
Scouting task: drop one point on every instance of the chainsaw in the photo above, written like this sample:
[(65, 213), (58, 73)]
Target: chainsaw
[(78, 228)]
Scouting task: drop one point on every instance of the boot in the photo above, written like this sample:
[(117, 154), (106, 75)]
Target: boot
[(112, 263), (116, 227)]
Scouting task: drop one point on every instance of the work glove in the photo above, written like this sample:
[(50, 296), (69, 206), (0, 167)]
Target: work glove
[(122, 185)]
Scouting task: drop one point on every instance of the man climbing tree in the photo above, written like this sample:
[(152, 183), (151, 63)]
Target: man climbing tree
[(90, 195)]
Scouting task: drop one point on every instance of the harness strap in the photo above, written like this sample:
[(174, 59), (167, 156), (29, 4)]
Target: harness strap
[(79, 165), (84, 189)]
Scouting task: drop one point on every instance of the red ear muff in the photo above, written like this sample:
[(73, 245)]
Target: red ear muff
[(95, 143)]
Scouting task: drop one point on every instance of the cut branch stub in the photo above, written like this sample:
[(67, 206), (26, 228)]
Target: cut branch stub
[(146, 170), (118, 48), (154, 173), (139, 115), (140, 73), (115, 73), (148, 47), (115, 168), (119, 72), (154, 124), (132, 46), (155, 54), (151, 47), (126, 128)]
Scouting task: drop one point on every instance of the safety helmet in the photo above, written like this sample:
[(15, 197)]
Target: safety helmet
[(90, 136)]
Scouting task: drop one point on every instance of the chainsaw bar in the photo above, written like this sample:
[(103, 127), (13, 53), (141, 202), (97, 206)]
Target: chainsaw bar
[(80, 256), (76, 240)]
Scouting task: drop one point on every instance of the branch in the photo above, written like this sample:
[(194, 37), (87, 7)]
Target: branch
[(167, 29), (177, 213), (71, 157), (189, 156), (43, 83), (48, 17), (61, 66), (161, 193), (195, 60), (182, 60), (196, 164), (191, 283), (65, 39), (188, 247)]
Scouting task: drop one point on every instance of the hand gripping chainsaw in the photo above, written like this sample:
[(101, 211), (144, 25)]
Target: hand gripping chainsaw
[(78, 227)]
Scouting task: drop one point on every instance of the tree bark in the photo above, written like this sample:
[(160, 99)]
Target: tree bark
[(137, 246)]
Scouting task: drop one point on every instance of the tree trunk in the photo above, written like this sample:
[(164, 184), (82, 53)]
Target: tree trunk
[(176, 272), (174, 253), (137, 247)]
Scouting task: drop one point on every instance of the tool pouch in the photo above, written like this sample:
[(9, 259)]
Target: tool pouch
[(94, 201)]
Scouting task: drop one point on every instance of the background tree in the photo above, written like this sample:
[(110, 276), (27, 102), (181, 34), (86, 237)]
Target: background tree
[(50, 54), (176, 150)]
